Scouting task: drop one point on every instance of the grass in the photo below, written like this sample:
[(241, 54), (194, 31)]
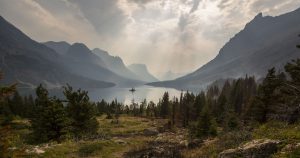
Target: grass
[(127, 136), (279, 131), (212, 147), (128, 125), (100, 148), (288, 134), (129, 131)]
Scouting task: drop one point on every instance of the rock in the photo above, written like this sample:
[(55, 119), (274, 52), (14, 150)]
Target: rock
[(290, 147), (261, 148), (120, 141), (184, 143), (150, 132), (156, 150), (38, 150)]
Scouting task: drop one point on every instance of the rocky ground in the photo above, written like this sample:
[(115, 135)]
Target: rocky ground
[(135, 137)]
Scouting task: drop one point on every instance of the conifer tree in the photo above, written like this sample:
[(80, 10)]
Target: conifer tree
[(264, 104), (200, 102), (151, 110), (81, 112), (206, 125), (5, 129), (143, 106), (17, 104), (51, 121), (175, 106), (164, 112)]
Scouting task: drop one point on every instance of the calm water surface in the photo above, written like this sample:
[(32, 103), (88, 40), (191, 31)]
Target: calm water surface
[(121, 94)]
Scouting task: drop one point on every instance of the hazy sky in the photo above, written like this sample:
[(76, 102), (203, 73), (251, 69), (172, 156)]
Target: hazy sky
[(177, 35)]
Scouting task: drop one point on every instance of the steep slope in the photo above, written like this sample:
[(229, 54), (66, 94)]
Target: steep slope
[(143, 73), (30, 63), (115, 64), (265, 42), (171, 75), (60, 47), (80, 59)]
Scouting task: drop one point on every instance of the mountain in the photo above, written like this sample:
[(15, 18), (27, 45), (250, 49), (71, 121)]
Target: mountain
[(265, 42), (143, 73), (81, 60), (60, 47), (30, 63), (170, 76), (115, 64), (78, 52)]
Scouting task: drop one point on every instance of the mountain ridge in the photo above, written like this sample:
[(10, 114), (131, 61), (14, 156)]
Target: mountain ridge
[(263, 43), (31, 63), (142, 71)]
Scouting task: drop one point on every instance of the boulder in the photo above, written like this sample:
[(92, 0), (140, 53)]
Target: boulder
[(150, 132), (261, 148)]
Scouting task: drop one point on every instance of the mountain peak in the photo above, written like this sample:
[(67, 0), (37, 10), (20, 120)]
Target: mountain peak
[(143, 66), (79, 45), (78, 49), (259, 16), (100, 51), (60, 47), (265, 42), (142, 71)]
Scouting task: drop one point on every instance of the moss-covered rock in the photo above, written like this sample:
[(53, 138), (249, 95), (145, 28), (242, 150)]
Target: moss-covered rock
[(261, 148)]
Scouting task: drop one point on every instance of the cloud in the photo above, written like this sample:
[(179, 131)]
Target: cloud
[(105, 15), (195, 5), (176, 35)]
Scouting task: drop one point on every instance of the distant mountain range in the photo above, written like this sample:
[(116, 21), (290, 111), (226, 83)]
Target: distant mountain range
[(103, 59), (265, 42), (115, 64), (55, 64), (30, 63), (169, 75), (142, 71)]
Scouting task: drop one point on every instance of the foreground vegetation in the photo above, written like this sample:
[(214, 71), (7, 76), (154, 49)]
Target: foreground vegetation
[(193, 125), (128, 138)]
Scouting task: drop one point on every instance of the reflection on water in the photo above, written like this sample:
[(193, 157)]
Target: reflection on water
[(125, 96), (121, 94)]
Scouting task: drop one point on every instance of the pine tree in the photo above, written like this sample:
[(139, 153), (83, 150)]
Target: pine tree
[(175, 106), (164, 112), (231, 121), (5, 129), (81, 112), (101, 107), (151, 110), (200, 102), (17, 105), (143, 106), (206, 125), (263, 106), (292, 89), (50, 121)]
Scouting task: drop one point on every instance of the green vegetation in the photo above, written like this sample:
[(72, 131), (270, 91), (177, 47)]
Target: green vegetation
[(221, 118)]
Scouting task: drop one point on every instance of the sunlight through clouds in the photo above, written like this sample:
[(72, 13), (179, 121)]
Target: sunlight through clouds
[(176, 35)]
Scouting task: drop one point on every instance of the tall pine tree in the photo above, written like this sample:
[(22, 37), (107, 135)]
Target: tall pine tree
[(81, 112)]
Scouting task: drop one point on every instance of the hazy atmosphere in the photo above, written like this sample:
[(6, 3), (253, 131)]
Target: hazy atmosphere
[(176, 35), (150, 78)]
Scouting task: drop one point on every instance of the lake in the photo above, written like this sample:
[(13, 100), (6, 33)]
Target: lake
[(121, 94)]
